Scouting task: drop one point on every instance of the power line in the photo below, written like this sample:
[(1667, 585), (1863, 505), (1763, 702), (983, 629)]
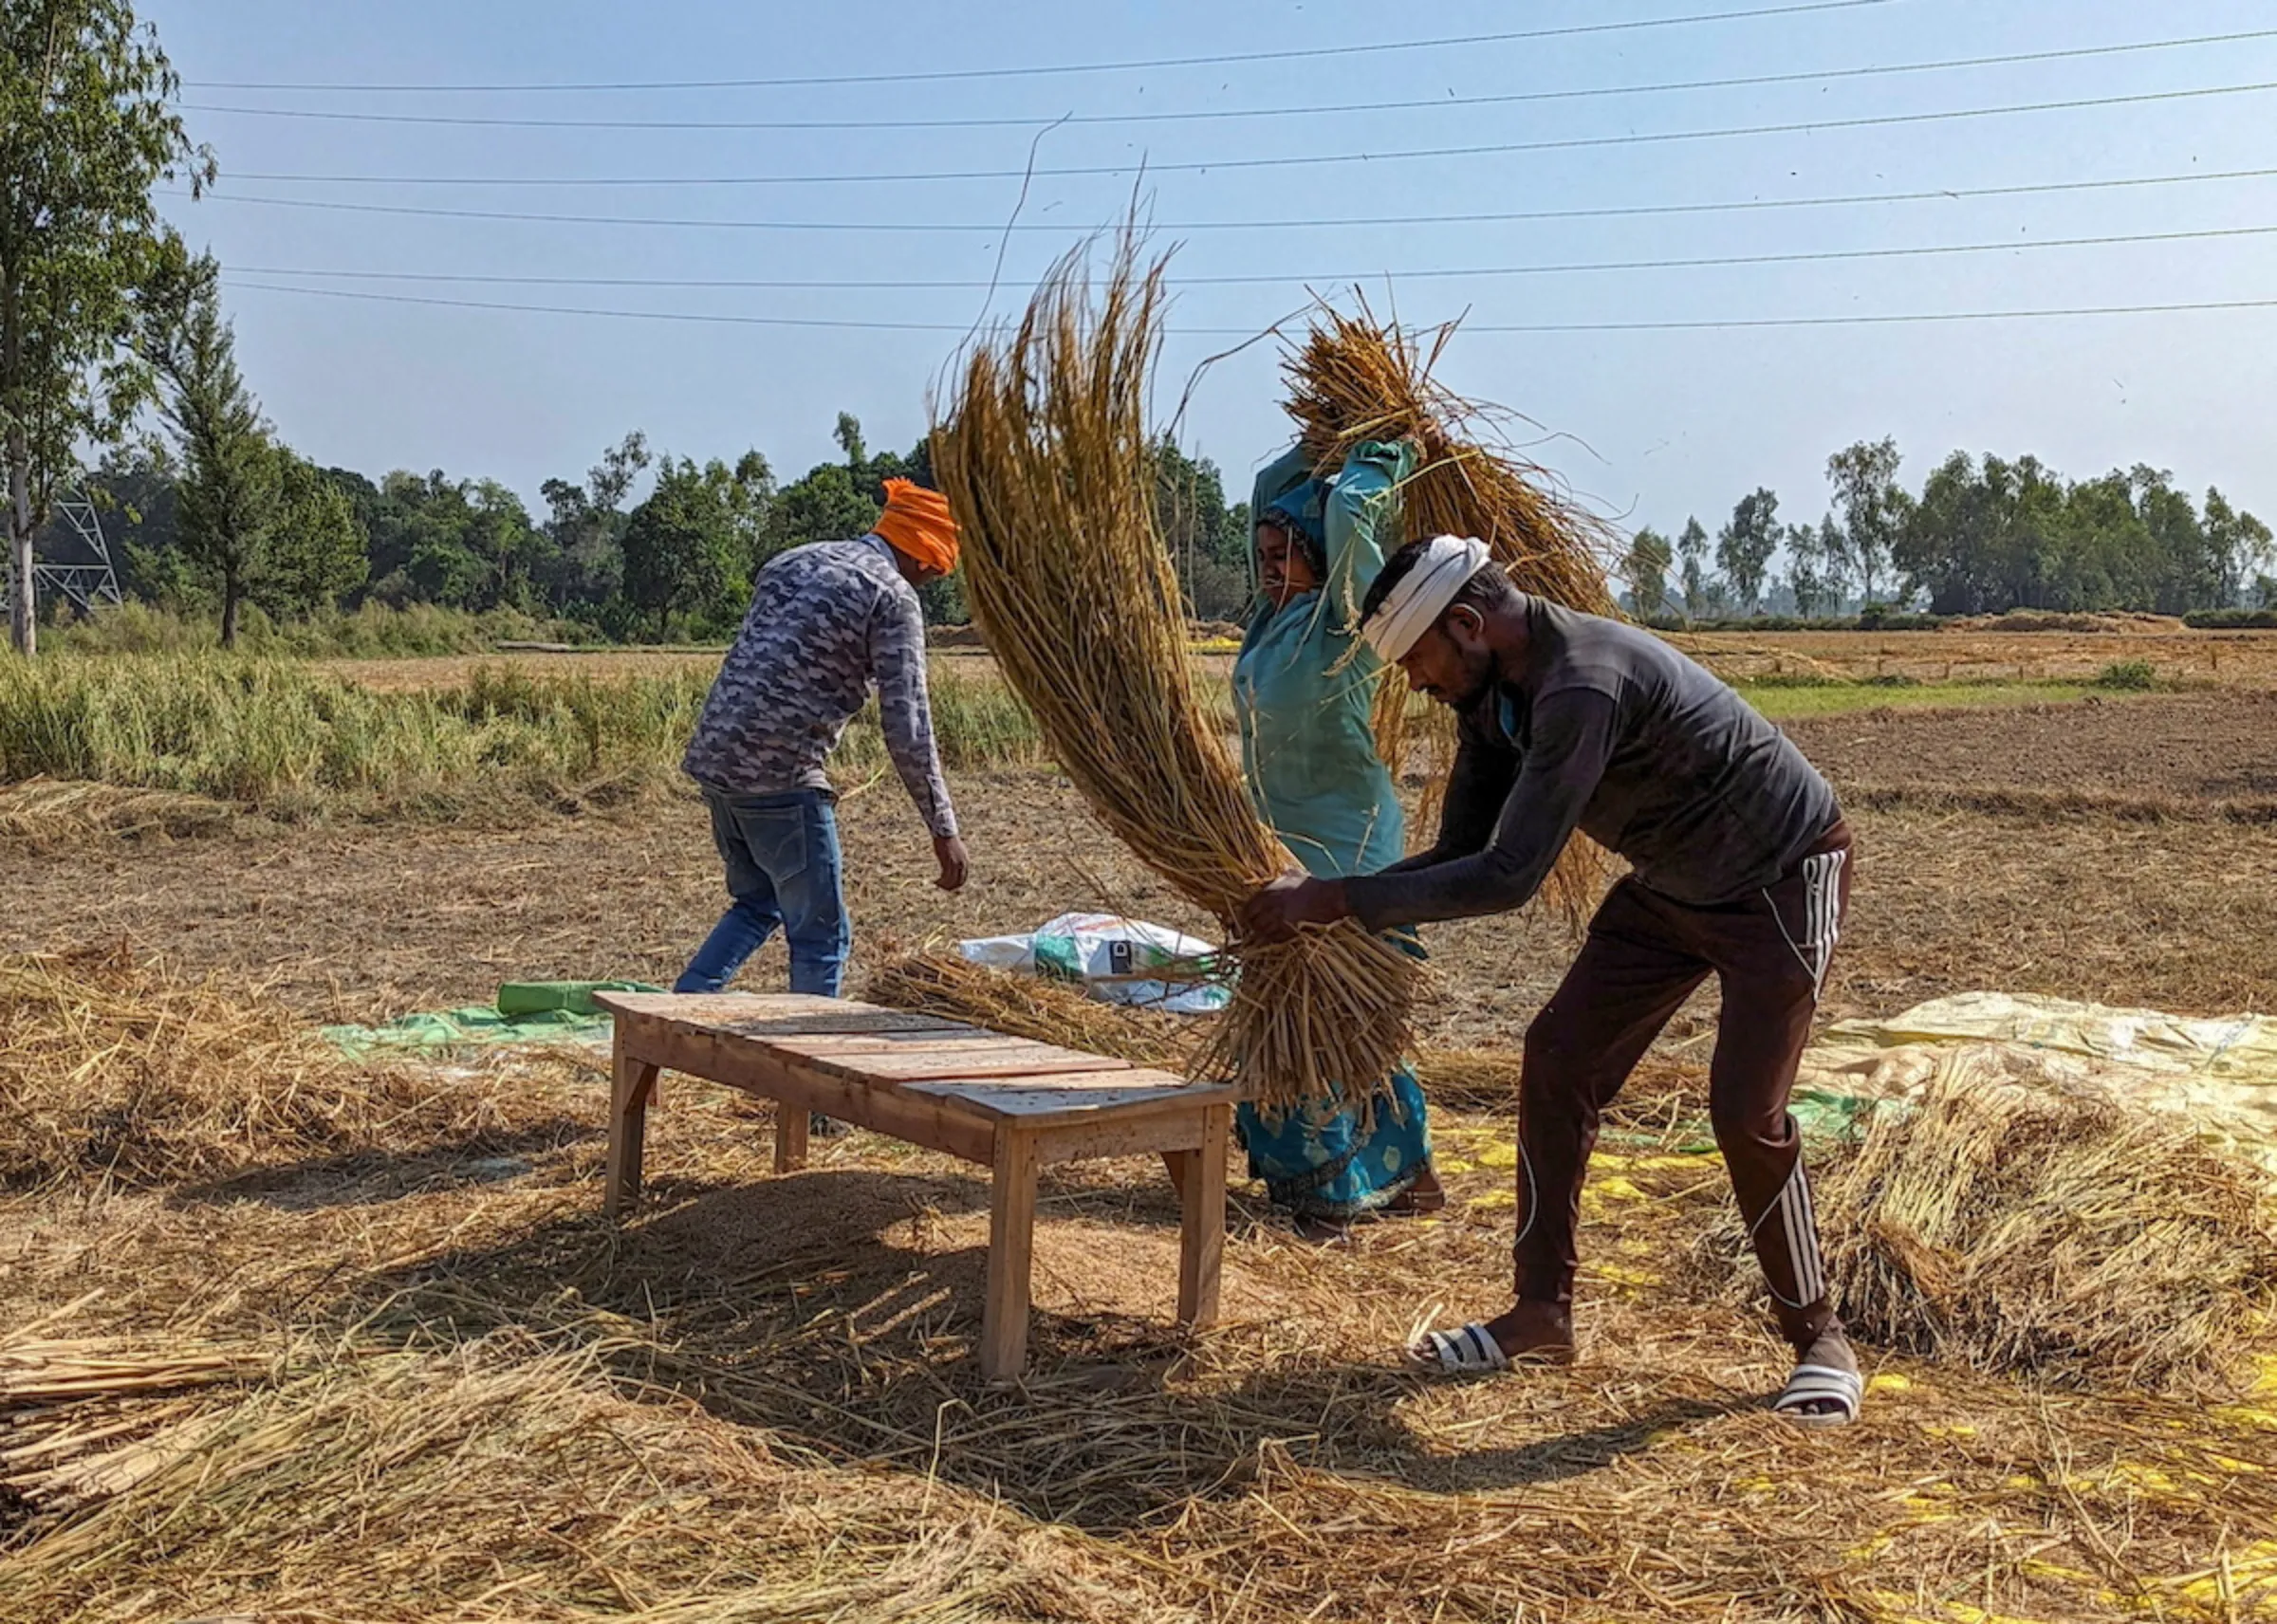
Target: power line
[(1270, 279), (1891, 319), (994, 228), (1199, 115), (1243, 59), (1301, 162)]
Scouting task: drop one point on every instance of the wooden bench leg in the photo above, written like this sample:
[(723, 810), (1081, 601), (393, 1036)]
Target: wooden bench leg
[(632, 1084), (1202, 1220), (791, 1123), (1175, 1162), (1012, 1256)]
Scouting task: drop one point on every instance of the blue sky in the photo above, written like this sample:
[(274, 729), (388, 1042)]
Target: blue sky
[(1652, 425)]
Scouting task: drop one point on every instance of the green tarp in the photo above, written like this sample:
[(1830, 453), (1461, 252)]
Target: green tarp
[(526, 1012)]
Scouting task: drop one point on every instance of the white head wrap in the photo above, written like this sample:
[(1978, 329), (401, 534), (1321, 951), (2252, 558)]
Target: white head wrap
[(1422, 594)]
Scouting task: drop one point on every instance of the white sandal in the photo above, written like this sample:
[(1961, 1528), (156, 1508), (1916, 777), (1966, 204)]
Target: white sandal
[(1471, 1351), (1821, 1384)]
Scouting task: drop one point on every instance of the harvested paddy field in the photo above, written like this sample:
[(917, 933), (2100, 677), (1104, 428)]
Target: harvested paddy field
[(295, 1337)]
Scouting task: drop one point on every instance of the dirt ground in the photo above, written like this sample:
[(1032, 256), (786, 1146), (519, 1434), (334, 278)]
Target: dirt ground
[(2229, 659), (1279, 1469), (2179, 912)]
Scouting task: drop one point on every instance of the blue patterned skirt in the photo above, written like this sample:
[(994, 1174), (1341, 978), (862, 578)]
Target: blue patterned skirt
[(1316, 1163)]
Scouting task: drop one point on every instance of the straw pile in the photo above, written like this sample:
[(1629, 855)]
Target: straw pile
[(1356, 379), (1043, 455), (115, 1068), (501, 1480), (2065, 1237)]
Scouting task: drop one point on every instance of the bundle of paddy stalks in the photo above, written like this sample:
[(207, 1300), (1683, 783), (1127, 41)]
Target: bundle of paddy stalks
[(2067, 1237), (1043, 454), (1046, 1012), (1356, 379), (115, 1068)]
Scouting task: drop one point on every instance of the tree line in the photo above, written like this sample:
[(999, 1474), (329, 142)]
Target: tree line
[(1984, 535)]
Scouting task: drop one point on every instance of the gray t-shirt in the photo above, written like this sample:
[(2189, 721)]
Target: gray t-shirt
[(1609, 729), (828, 622)]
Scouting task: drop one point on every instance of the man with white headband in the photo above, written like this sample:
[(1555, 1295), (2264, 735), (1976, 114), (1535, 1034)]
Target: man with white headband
[(1740, 868)]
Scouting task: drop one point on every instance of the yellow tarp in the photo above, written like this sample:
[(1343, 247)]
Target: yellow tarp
[(2221, 1072)]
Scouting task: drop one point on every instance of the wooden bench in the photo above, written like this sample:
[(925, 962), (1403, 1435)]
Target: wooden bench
[(1007, 1103)]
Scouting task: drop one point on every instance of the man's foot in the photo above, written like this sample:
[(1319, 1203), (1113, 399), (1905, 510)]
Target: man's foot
[(1825, 1389), (822, 1127), (1530, 1333)]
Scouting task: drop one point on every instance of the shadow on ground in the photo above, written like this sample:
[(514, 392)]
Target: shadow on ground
[(833, 1311)]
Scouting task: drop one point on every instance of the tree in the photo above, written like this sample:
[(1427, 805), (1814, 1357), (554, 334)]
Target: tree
[(230, 497), (1810, 571), (1744, 548), (2236, 543), (316, 551), (86, 129), (1645, 569), (1874, 510), (1692, 546), (688, 547), (584, 528), (1208, 553)]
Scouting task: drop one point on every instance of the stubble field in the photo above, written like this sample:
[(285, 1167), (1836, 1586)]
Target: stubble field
[(459, 1395)]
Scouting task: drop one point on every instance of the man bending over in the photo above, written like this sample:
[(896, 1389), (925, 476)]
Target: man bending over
[(828, 622), (1740, 868)]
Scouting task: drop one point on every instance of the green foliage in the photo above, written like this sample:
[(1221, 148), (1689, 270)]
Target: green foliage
[(2232, 620), (296, 742), (230, 501), (688, 547), (2128, 676), (316, 550), (1992, 535), (1209, 543), (372, 632), (1745, 546), (1875, 510), (88, 128), (1645, 569)]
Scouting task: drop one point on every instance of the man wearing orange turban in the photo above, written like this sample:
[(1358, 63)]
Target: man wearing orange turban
[(828, 622), (917, 523)]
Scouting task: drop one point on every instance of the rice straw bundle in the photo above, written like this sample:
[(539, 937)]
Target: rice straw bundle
[(2071, 1237), (1355, 380), (1044, 459), (1049, 1011)]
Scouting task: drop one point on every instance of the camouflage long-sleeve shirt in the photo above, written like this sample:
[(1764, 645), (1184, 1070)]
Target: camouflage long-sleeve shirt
[(827, 621)]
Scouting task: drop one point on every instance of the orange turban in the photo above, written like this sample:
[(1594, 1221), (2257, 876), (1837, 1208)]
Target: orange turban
[(917, 523)]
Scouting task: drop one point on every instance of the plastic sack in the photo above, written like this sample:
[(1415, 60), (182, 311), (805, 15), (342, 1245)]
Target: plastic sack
[(1116, 960)]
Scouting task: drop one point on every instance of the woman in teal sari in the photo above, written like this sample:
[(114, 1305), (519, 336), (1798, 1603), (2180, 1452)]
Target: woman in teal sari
[(1303, 688)]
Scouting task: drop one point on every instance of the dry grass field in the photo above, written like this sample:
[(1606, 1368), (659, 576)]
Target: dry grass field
[(289, 1338)]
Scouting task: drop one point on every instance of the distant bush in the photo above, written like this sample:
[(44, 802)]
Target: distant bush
[(373, 632), (2232, 619), (2128, 676), (1873, 619)]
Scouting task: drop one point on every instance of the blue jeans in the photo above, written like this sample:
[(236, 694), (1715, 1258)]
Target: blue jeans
[(781, 853)]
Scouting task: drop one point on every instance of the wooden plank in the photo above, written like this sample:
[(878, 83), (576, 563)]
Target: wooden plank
[(763, 1014), (632, 1083), (1202, 1222), (1104, 1137), (936, 1124), (1011, 1058), (1012, 1256), (1037, 1101)]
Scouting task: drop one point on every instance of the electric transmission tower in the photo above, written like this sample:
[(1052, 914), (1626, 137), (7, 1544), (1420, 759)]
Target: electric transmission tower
[(70, 558)]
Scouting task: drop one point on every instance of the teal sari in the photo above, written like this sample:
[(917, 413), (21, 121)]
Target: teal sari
[(1304, 690)]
